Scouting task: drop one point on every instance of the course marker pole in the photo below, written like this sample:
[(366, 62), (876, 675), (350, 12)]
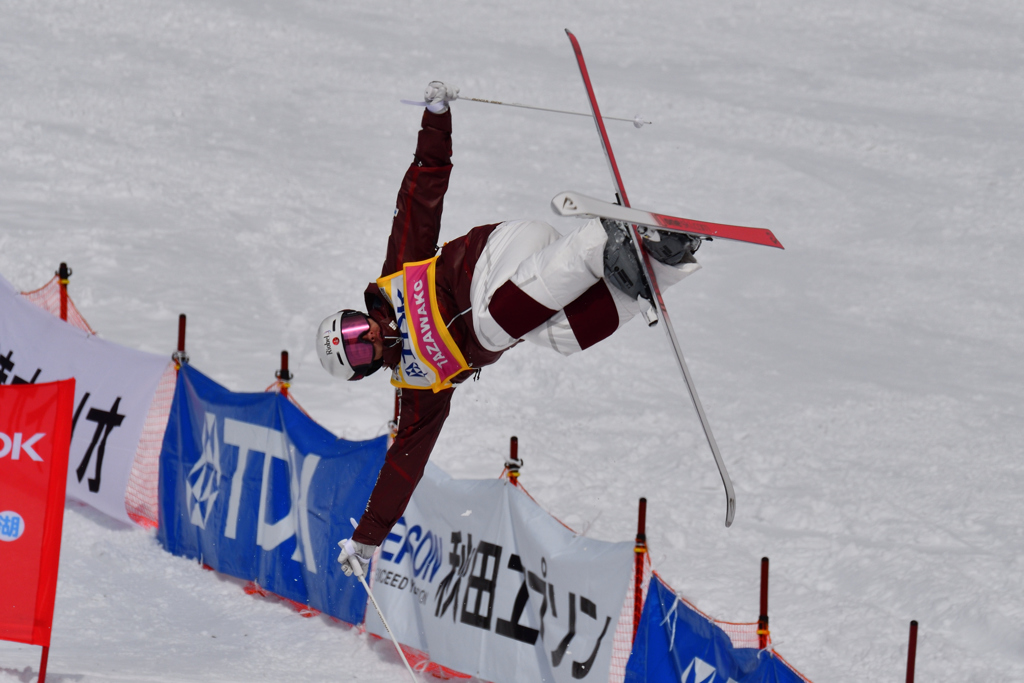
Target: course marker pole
[(762, 620), (180, 357), (640, 550), (513, 463), (283, 375), (42, 663), (63, 273), (912, 652)]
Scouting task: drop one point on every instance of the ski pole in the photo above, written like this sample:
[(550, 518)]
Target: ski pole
[(637, 121), (357, 569)]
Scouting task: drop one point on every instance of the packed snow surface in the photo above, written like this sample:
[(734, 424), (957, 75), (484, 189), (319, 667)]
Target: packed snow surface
[(238, 161)]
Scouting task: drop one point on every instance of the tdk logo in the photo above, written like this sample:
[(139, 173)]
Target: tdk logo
[(17, 444), (12, 526)]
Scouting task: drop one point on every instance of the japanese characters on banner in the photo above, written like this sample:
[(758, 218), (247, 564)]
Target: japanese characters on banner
[(113, 391), (676, 644), (35, 428), (252, 487), (482, 579)]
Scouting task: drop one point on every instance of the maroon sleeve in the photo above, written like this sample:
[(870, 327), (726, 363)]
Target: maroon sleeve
[(417, 221), (421, 415)]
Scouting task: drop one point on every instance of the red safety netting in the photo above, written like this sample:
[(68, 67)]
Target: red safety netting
[(48, 298), (622, 641), (142, 495), (742, 634)]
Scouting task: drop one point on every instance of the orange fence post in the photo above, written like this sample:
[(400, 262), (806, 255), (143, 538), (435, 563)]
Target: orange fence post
[(912, 652), (762, 620), (513, 463), (283, 375), (63, 273), (180, 357), (640, 550)]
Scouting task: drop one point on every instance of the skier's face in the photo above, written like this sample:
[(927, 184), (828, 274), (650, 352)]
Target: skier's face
[(374, 335)]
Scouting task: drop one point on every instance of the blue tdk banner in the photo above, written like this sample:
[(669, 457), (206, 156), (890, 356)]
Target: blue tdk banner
[(675, 644), (254, 488)]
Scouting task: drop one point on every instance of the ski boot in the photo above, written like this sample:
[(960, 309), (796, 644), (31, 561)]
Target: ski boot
[(671, 248), (622, 265)]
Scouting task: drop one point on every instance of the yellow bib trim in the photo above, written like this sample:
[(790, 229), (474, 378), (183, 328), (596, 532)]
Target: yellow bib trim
[(430, 357)]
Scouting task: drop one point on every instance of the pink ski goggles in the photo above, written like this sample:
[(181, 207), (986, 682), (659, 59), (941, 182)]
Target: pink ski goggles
[(352, 338)]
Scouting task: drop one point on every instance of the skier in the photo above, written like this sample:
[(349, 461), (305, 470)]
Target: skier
[(435, 317)]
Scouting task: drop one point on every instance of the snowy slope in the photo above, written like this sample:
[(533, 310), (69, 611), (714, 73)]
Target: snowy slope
[(238, 162)]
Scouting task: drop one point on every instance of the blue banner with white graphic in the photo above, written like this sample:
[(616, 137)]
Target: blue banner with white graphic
[(676, 644), (254, 488)]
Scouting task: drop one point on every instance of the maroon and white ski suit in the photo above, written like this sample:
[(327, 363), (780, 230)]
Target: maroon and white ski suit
[(495, 285)]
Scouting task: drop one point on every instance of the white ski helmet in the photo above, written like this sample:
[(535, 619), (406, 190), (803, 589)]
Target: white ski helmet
[(343, 348)]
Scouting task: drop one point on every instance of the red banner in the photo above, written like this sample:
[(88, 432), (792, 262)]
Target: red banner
[(35, 434)]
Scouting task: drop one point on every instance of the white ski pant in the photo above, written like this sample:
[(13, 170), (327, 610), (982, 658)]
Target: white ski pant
[(560, 273)]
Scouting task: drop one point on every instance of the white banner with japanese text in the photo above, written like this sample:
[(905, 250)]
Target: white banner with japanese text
[(479, 577), (114, 387)]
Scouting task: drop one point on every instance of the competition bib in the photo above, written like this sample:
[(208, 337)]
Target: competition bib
[(430, 357)]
